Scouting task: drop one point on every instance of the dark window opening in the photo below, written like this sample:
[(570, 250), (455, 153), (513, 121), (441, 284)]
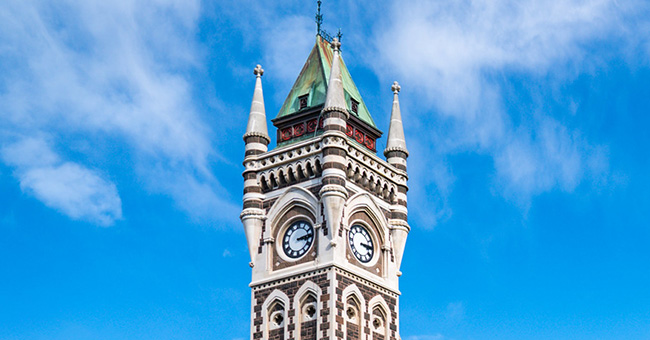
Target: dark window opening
[(354, 105), (302, 100)]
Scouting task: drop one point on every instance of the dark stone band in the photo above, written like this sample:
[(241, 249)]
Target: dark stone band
[(334, 151), (334, 114), (334, 165), (396, 153), (399, 216), (256, 139), (333, 180), (254, 189), (253, 204)]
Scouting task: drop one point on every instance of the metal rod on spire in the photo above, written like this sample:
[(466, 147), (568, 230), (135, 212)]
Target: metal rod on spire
[(319, 18), (319, 26)]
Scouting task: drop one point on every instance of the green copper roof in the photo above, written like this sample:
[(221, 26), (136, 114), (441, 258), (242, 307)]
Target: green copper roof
[(313, 80)]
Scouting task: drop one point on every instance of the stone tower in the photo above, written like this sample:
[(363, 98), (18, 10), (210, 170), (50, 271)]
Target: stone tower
[(325, 218)]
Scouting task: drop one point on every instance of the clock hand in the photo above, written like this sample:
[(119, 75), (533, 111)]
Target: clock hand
[(366, 246), (304, 237)]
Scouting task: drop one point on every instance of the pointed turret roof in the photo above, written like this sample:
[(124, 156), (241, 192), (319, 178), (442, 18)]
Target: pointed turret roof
[(335, 99), (396, 140), (313, 81), (257, 118)]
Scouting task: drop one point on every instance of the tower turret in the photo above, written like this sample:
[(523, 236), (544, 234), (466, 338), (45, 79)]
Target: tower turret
[(396, 154), (334, 115), (257, 141), (257, 119), (335, 99)]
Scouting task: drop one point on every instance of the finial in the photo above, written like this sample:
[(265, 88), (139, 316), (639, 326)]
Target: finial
[(395, 140), (319, 18), (395, 88), (258, 71), (336, 45), (339, 35), (257, 117)]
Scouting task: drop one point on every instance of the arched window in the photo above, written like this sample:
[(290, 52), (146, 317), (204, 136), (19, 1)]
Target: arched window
[(380, 318), (276, 317), (307, 308), (353, 317), (378, 323), (308, 317)]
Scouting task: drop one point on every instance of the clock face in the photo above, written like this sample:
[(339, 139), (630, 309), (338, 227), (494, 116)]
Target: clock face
[(361, 243), (298, 239)]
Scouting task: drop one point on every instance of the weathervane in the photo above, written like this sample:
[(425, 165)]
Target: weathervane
[(319, 23)]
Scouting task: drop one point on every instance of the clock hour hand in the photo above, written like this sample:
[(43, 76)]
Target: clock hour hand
[(366, 246)]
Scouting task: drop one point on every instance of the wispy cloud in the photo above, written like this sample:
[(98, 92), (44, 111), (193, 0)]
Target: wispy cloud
[(110, 73), (77, 191), (455, 57)]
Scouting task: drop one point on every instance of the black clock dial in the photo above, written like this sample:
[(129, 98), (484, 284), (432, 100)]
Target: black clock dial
[(361, 243), (298, 239)]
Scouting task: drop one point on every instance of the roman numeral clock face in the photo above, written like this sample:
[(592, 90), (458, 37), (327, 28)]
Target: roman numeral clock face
[(361, 243), (298, 239)]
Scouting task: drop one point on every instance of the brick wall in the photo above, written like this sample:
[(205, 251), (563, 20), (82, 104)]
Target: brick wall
[(290, 287), (368, 291)]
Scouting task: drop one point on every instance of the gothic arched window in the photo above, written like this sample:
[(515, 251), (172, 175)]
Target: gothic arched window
[(308, 317), (276, 317), (378, 323), (353, 316)]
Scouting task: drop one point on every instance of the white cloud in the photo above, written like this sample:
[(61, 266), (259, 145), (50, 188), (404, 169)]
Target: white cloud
[(454, 57), (77, 191), (110, 73), (73, 189)]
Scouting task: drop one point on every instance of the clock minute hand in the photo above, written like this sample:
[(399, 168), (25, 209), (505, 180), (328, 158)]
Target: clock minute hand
[(304, 237)]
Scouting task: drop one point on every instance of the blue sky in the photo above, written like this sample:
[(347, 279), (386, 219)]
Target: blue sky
[(121, 150)]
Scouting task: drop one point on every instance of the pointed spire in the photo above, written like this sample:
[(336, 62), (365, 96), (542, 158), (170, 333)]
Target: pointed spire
[(335, 100), (396, 141), (257, 118)]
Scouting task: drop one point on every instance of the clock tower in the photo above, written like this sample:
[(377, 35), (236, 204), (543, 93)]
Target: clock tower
[(325, 217)]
